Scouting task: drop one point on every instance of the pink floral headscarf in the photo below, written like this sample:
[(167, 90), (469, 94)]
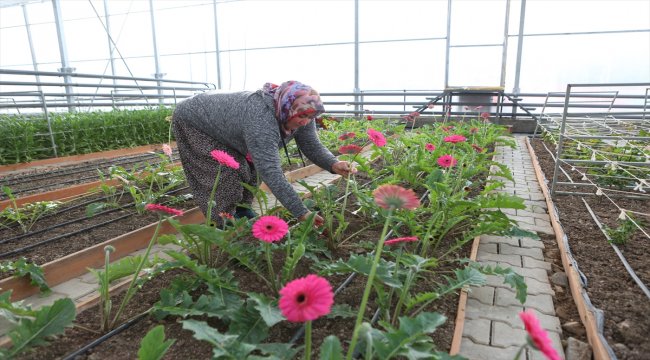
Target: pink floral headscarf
[(293, 98)]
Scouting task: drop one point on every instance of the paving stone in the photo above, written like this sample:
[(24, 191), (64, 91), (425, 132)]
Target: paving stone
[(541, 302), (491, 239), (478, 330), (487, 248), (522, 219), (36, 301), (74, 289), (534, 286), (509, 315), (473, 351), (531, 243), (543, 223), (539, 229), (538, 274), (88, 278), (534, 263), (514, 260), (535, 253), (504, 336), (543, 216), (484, 294)]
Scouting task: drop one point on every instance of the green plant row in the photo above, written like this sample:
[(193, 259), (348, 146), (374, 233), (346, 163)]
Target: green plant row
[(28, 138)]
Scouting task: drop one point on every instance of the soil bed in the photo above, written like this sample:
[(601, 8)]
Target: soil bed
[(29, 182), (609, 286), (70, 244)]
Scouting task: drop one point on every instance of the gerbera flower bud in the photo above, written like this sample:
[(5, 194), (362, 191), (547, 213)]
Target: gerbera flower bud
[(401, 240), (224, 159), (163, 209)]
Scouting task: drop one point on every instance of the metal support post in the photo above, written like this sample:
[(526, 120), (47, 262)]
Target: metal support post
[(63, 51), (560, 141), (158, 74)]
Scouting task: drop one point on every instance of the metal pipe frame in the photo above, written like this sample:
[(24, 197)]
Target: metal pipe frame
[(597, 124)]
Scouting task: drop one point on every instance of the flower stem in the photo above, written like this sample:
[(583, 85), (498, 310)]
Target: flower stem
[(208, 214), (366, 291), (131, 290), (274, 285), (308, 340)]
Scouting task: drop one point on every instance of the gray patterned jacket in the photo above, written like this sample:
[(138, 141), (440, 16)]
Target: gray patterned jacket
[(246, 122)]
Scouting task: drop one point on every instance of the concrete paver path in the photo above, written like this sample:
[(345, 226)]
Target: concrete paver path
[(493, 330)]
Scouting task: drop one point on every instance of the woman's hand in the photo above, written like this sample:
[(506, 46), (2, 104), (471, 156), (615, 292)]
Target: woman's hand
[(318, 220), (344, 168)]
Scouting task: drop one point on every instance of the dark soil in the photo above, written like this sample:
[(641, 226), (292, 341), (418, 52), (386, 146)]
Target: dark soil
[(35, 181), (609, 286), (81, 232)]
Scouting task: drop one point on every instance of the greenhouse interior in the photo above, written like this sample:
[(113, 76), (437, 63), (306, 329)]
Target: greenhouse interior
[(469, 179)]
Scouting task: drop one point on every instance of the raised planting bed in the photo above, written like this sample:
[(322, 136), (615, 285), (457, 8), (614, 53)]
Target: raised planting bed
[(229, 286), (127, 343), (621, 305), (66, 173)]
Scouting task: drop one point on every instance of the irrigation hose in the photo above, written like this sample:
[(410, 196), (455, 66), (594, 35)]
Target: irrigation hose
[(106, 336)]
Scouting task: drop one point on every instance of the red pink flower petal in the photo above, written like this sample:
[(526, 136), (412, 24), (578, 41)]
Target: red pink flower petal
[(447, 161), (538, 335), (350, 149), (395, 197), (376, 137), (306, 299), (401, 240), (455, 139), (270, 229)]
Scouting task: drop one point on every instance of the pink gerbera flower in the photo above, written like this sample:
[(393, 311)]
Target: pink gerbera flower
[(447, 161), (447, 128), (347, 136), (350, 149), (430, 147), (270, 228), (473, 130), (163, 209), (167, 150), (538, 335), (306, 299), (395, 197), (401, 240), (369, 117), (454, 139), (485, 115), (224, 159), (376, 137)]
